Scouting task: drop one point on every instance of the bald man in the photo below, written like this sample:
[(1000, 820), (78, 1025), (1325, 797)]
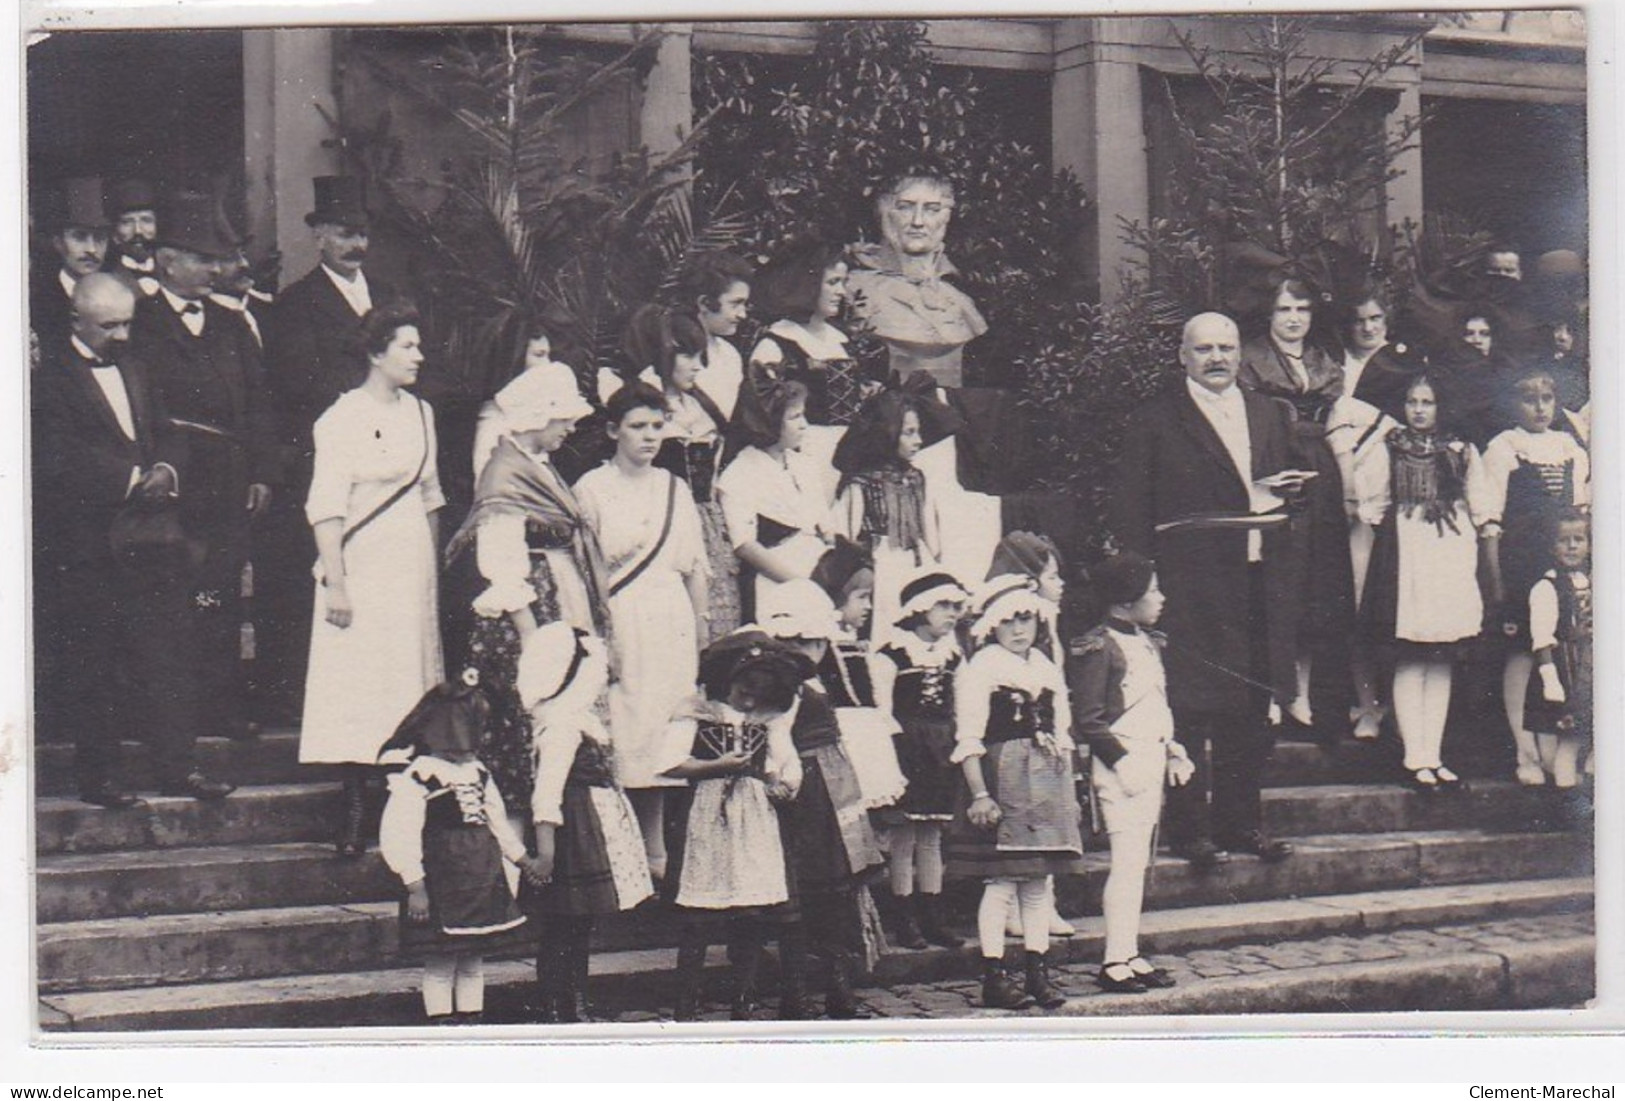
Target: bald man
[(1193, 453), (103, 446)]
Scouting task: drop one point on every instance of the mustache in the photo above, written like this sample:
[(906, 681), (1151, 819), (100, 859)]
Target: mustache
[(354, 254)]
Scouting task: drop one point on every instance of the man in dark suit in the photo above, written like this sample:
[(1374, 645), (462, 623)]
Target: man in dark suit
[(207, 367), (102, 440), (312, 356), (1188, 496), (134, 208), (76, 223)]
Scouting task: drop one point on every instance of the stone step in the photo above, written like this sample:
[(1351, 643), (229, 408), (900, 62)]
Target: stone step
[(268, 814), (128, 918), (273, 758), (1499, 965), (277, 813)]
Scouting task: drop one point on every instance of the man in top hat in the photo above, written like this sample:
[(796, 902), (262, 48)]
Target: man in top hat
[(76, 223), (134, 208), (207, 367), (1199, 491), (104, 445), (312, 357)]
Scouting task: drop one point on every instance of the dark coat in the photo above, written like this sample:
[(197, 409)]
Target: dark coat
[(1264, 369), (1174, 465), (214, 380), (311, 354), (50, 312), (83, 460)]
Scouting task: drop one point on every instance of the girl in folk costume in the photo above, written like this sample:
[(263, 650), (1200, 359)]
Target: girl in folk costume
[(675, 346), (846, 672), (1559, 709), (1534, 473), (1036, 556), (1014, 745), (539, 558), (772, 495), (1120, 708), (914, 681), (802, 290), (884, 501), (717, 286), (733, 745), (589, 853), (445, 833), (655, 571), (828, 841), (1422, 598)]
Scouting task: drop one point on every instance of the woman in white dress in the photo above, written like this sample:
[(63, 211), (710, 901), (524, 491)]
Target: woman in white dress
[(654, 555), (373, 503), (772, 495)]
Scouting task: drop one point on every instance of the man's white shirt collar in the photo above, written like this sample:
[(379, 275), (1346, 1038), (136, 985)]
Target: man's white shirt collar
[(1229, 395), (68, 282)]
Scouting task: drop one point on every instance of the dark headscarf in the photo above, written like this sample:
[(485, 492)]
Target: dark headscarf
[(448, 719), (839, 565), (764, 397)]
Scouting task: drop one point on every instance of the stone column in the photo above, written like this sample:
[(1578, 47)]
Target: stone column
[(666, 116), (1403, 198), (288, 78), (1098, 131)]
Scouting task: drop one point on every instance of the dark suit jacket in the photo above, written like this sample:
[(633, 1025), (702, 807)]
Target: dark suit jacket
[(216, 380), (82, 458), (309, 353), (1174, 465), (50, 312)]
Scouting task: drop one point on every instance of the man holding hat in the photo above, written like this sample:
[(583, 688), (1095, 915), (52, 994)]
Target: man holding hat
[(207, 367), (109, 592), (312, 356), (76, 222), (134, 208)]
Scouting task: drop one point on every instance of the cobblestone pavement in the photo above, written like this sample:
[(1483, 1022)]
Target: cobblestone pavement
[(961, 997)]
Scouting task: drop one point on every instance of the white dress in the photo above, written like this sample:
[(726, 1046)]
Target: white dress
[(364, 678), (754, 486), (652, 618)]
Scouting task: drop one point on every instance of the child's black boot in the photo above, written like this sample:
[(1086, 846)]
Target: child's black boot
[(1038, 985), (929, 908), (999, 991), (897, 911), (690, 971), (840, 1003)]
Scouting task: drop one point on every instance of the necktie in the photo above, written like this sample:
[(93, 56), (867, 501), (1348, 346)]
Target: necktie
[(192, 308)]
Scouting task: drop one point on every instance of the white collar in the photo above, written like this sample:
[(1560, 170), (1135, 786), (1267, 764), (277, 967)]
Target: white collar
[(83, 349), (135, 265), (348, 286), (831, 337), (1229, 394), (176, 302), (67, 281)]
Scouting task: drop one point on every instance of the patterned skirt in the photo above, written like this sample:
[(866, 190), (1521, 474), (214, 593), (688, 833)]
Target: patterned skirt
[(725, 852), (722, 587), (1040, 833), (599, 864)]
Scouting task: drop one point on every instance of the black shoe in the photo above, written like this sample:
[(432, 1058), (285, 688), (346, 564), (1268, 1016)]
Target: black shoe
[(999, 991), (1119, 978), (1202, 856), (840, 1003), (1038, 986), (1267, 849), (1149, 974), (1424, 780), (897, 915), (105, 794), (929, 911), (196, 785)]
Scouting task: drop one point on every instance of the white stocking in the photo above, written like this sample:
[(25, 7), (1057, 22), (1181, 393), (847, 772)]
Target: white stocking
[(469, 989), (997, 895), (1566, 761), (1036, 904), (1410, 712), (649, 804), (1514, 689), (902, 846), (1436, 710), (438, 974), (928, 857)]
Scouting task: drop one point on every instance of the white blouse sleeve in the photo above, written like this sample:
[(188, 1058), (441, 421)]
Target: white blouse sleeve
[(334, 473), (675, 746), (846, 518), (1477, 489), (433, 497), (1063, 705), (883, 676), (738, 502), (496, 818), (1500, 460), (783, 762), (971, 690), (400, 831), (1543, 614), (1582, 474), (555, 747), (504, 560), (687, 544)]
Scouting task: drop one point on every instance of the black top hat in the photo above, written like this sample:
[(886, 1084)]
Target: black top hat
[(128, 195), (338, 202), (78, 202), (191, 221)]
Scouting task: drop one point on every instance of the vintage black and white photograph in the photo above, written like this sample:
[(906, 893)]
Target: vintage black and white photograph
[(857, 522)]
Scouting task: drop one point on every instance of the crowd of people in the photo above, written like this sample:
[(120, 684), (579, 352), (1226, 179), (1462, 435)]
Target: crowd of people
[(772, 658)]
